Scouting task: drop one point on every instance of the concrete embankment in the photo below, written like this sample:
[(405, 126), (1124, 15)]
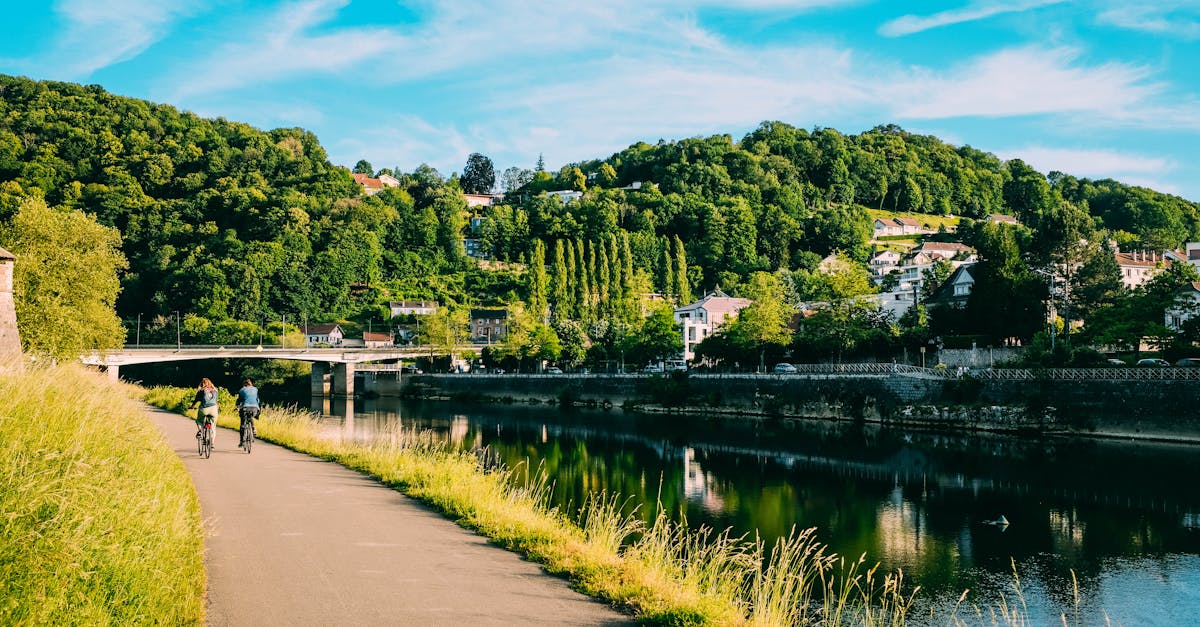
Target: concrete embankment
[(1154, 409)]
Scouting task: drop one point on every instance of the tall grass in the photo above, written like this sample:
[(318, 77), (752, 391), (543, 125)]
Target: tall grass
[(663, 573), (99, 523)]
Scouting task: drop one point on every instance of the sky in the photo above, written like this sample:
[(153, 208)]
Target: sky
[(1092, 88)]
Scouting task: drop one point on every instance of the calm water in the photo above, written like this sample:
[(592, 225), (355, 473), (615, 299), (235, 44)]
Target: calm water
[(1125, 517)]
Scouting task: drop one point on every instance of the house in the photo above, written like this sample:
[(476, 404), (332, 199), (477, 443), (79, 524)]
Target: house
[(473, 247), (883, 263), (1139, 266), (1186, 307), (489, 325), (899, 226), (947, 250), (377, 340), (565, 195), (957, 288), (482, 200), (323, 334), (1190, 254), (372, 186), (1000, 218), (413, 307), (703, 317)]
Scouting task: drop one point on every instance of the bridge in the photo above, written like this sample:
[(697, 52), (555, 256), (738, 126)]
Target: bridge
[(338, 362)]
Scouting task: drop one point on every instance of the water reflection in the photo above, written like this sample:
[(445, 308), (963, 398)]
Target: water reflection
[(1121, 516)]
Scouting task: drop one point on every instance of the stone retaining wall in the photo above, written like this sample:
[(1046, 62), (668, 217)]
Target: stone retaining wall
[(1163, 410)]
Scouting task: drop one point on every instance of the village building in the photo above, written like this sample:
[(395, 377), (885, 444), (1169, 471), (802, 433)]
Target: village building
[(1185, 309), (413, 307), (1139, 266), (323, 335), (489, 325), (372, 186), (10, 340), (703, 317), (375, 339)]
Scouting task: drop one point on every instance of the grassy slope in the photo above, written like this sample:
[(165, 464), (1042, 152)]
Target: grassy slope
[(99, 523)]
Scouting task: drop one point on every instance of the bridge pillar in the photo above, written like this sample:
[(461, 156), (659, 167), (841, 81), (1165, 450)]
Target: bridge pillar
[(342, 381), (319, 370), (114, 373)]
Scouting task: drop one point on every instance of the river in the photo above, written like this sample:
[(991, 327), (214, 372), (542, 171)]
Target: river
[(1120, 518)]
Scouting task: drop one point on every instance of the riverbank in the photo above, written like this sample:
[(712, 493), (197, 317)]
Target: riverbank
[(661, 573), (99, 523), (1149, 410)]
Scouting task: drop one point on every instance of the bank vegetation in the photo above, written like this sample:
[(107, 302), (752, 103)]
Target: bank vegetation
[(99, 523)]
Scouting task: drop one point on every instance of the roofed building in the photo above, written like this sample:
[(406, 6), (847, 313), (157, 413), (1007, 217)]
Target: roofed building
[(703, 317)]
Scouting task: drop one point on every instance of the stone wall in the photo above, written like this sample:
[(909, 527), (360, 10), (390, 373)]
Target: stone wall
[(1162, 410), (10, 339)]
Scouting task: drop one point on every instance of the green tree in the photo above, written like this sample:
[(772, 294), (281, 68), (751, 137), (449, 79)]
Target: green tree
[(764, 323), (539, 283), (65, 283), (479, 175), (660, 337), (681, 288), (363, 167)]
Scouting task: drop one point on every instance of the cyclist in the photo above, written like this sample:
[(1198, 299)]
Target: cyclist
[(247, 404), (206, 400)]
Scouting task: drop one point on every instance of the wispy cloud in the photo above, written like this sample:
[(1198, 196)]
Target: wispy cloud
[(97, 35), (1027, 81), (1168, 17), (1094, 163), (978, 10)]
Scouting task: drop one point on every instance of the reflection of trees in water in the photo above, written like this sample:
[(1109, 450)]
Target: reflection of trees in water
[(910, 500)]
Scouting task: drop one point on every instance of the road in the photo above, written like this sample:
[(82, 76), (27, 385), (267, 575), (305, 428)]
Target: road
[(294, 540)]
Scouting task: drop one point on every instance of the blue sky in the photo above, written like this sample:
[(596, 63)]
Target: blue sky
[(1095, 88)]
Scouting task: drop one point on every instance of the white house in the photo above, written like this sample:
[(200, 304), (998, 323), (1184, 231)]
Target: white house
[(1186, 309), (899, 226), (413, 307), (330, 334), (884, 262), (703, 317), (482, 200), (1139, 266), (565, 195)]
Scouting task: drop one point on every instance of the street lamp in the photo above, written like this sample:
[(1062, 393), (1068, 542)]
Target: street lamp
[(178, 339), (139, 331)]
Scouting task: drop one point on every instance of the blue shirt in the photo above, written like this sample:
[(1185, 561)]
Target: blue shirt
[(247, 397)]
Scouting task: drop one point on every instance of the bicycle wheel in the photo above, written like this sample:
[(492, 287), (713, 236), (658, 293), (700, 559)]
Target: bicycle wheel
[(200, 440), (208, 443), (249, 437)]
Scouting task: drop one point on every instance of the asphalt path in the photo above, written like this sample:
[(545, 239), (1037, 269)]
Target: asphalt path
[(294, 540)]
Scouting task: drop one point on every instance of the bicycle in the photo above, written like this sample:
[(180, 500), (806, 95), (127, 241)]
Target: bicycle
[(248, 415), (204, 438)]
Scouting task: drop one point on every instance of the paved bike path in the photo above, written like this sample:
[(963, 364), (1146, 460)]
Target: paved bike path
[(294, 540)]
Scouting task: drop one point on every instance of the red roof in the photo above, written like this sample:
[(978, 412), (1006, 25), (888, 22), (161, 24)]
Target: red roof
[(369, 336), (366, 181)]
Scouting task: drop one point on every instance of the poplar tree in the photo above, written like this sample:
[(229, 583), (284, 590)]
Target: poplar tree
[(581, 284), (594, 294), (682, 289), (539, 283), (667, 276), (568, 302), (604, 279), (559, 271)]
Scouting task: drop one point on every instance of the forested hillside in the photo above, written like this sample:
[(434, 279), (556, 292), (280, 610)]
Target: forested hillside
[(224, 222)]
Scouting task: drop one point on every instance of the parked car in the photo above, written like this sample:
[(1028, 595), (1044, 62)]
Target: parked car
[(1189, 361), (497, 370), (1113, 361), (784, 368), (553, 370), (675, 365), (1153, 361), (653, 369), (411, 370)]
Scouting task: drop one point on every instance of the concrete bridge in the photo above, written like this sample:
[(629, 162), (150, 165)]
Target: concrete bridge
[(338, 362)]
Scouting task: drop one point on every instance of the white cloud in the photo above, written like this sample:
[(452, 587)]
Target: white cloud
[(96, 35), (1169, 17), (978, 10), (1026, 81), (1091, 163)]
